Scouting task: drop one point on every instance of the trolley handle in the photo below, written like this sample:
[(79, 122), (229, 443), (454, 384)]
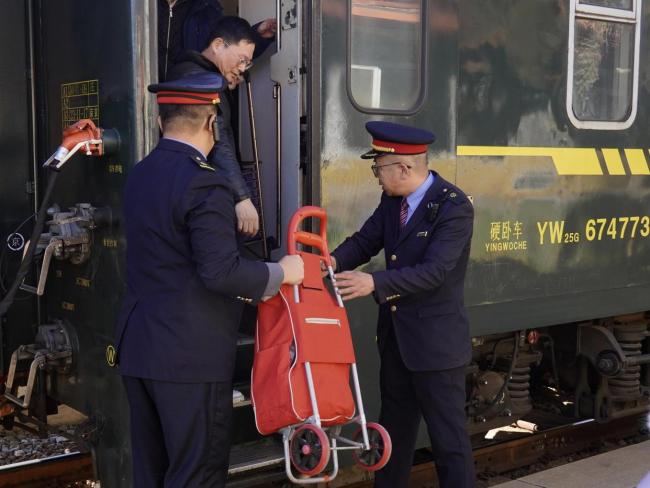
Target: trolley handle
[(319, 241)]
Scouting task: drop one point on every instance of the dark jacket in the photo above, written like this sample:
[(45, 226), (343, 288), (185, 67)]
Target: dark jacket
[(421, 291), (223, 156), (186, 282), (171, 23)]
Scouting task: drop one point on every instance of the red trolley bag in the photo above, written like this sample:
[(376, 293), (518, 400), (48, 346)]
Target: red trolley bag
[(303, 358)]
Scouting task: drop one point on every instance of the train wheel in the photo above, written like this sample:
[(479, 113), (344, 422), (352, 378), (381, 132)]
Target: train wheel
[(310, 449), (380, 448)]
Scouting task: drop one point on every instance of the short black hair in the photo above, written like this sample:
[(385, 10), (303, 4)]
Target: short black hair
[(189, 117), (233, 30)]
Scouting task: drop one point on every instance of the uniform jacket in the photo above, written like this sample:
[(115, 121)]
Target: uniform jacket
[(223, 156), (186, 282), (421, 291)]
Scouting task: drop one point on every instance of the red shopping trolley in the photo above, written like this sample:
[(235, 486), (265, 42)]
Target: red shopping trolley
[(300, 383)]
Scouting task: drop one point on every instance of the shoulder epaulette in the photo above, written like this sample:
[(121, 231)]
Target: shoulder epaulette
[(202, 163), (453, 195)]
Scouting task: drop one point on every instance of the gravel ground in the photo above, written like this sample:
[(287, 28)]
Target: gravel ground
[(19, 445)]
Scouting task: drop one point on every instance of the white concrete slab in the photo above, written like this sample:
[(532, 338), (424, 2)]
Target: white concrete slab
[(621, 468)]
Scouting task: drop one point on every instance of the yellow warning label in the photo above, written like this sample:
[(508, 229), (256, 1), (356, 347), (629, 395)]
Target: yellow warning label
[(111, 355), (79, 100), (70, 307)]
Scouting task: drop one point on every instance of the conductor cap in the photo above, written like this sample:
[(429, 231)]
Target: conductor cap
[(196, 89), (392, 138)]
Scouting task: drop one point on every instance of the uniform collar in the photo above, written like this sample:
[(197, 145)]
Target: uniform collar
[(431, 196), (179, 146), (187, 144), (416, 197)]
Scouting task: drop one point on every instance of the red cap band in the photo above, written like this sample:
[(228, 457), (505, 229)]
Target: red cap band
[(187, 98), (398, 148)]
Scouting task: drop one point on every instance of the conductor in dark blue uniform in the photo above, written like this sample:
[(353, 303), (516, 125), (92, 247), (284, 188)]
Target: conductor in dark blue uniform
[(186, 286), (424, 225)]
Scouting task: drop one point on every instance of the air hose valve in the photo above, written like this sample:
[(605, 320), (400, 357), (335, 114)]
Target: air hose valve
[(84, 134)]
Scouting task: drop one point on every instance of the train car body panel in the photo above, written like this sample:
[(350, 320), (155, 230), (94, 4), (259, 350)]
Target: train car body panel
[(557, 208), (90, 64), (555, 220), (19, 191)]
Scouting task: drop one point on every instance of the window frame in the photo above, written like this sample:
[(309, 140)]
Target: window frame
[(581, 10), (583, 6), (424, 71)]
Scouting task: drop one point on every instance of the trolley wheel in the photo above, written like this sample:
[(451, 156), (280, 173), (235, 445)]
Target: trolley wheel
[(309, 448), (380, 448)]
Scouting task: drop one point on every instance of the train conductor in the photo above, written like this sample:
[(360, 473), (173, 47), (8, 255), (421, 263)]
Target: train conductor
[(186, 286), (424, 225)]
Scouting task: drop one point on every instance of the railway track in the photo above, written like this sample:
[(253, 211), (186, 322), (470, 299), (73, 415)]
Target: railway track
[(60, 471), (508, 455), (498, 457)]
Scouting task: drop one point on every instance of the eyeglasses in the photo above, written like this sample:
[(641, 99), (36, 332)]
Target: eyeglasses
[(376, 168), (244, 62)]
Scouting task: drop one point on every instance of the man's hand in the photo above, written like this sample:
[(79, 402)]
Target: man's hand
[(354, 284), (267, 28), (248, 222), (323, 267), (293, 269)]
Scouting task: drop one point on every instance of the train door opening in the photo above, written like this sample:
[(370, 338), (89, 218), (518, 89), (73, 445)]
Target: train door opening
[(277, 95), (275, 87), (269, 152)]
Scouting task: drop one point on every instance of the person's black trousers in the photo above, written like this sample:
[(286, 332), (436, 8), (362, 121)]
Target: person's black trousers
[(180, 433), (439, 396)]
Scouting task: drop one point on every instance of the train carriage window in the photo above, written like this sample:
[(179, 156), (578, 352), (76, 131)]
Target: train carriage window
[(385, 54), (603, 64), (619, 4)]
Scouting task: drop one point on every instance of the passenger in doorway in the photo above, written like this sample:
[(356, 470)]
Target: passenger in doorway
[(229, 52), (189, 25), (176, 334), (424, 225)]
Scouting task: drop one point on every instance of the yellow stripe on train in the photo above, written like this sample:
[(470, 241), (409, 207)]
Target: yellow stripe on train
[(571, 160)]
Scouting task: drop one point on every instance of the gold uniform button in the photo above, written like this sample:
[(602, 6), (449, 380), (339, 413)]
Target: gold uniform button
[(393, 308), (393, 258)]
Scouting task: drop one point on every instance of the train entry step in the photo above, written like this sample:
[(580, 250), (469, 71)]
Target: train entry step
[(627, 467)]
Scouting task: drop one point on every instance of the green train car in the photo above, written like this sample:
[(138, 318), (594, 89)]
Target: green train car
[(541, 110)]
